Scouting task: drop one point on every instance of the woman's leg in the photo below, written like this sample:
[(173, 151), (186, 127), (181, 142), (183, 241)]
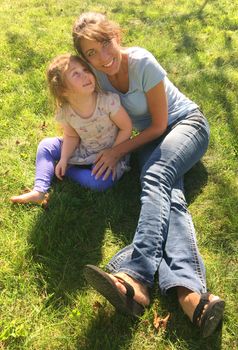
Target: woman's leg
[(171, 248), (181, 264), (179, 150)]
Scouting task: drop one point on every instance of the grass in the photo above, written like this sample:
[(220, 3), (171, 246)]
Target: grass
[(45, 303)]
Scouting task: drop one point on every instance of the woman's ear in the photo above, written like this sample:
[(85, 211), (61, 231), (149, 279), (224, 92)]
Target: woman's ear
[(118, 38)]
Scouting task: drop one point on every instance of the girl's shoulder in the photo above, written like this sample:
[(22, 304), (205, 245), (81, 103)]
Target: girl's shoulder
[(109, 101), (62, 113)]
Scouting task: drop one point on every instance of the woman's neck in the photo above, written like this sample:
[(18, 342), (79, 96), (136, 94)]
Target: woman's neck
[(120, 80), (84, 106)]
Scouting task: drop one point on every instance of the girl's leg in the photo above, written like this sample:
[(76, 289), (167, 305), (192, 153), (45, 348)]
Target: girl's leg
[(48, 153), (83, 177)]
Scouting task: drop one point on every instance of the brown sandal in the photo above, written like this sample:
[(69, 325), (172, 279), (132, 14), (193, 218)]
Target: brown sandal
[(101, 281), (208, 320)]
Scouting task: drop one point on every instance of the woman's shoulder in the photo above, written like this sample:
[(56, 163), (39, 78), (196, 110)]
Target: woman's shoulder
[(144, 67), (139, 54), (141, 60)]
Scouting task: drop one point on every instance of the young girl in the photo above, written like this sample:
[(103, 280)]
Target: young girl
[(92, 120)]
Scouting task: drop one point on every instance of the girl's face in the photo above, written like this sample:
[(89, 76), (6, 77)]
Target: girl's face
[(104, 56), (79, 79)]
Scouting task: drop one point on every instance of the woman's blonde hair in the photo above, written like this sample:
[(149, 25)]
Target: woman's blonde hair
[(56, 76), (94, 26)]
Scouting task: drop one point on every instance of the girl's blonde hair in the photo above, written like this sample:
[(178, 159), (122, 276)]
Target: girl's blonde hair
[(56, 76), (94, 26)]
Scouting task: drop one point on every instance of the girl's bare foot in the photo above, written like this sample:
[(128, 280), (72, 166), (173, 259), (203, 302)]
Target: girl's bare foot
[(141, 291), (30, 197)]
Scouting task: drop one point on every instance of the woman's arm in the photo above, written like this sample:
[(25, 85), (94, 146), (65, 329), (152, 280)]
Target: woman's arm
[(124, 124), (158, 107), (70, 141)]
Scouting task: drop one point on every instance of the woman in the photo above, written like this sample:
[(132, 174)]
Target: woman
[(173, 136)]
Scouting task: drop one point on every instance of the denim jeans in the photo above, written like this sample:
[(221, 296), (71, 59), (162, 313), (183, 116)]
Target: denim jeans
[(164, 240)]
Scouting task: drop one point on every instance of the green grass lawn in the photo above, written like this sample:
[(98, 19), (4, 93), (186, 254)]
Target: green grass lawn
[(45, 303)]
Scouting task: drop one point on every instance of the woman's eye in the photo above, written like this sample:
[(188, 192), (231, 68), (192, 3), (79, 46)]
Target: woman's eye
[(106, 42), (91, 53)]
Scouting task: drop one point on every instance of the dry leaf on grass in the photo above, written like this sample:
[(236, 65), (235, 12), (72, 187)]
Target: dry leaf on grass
[(160, 323), (97, 305), (43, 126)]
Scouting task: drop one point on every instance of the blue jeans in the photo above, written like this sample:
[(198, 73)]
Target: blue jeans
[(164, 240), (48, 153)]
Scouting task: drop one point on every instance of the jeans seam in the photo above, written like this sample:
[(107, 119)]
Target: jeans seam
[(194, 248)]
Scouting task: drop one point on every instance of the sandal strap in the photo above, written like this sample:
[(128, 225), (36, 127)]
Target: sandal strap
[(204, 300), (129, 289)]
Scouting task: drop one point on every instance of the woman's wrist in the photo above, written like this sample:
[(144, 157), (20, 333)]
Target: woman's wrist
[(120, 150), (64, 159)]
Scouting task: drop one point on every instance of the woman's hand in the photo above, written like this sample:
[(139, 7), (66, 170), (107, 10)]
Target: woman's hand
[(105, 163), (60, 169)]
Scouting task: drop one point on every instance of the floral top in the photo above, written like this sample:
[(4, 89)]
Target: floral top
[(96, 132)]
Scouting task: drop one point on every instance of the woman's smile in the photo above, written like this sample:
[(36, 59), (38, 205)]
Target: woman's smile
[(108, 65)]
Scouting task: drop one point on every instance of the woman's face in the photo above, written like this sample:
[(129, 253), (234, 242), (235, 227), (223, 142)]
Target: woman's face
[(104, 56)]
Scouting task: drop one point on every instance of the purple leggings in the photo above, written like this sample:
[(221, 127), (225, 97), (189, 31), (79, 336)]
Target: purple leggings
[(48, 153)]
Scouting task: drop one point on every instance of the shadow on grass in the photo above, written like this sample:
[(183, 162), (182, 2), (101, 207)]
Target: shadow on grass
[(180, 327), (108, 332), (194, 181), (71, 232)]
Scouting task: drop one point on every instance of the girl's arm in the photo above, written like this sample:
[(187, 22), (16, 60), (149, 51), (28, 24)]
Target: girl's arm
[(70, 141), (158, 107)]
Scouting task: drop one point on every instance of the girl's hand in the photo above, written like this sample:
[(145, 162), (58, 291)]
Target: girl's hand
[(105, 163), (60, 169)]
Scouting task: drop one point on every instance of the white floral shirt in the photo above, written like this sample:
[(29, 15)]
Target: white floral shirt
[(96, 132)]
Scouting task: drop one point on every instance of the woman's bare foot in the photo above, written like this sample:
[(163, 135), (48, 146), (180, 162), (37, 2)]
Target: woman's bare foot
[(30, 197), (141, 291), (189, 300)]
